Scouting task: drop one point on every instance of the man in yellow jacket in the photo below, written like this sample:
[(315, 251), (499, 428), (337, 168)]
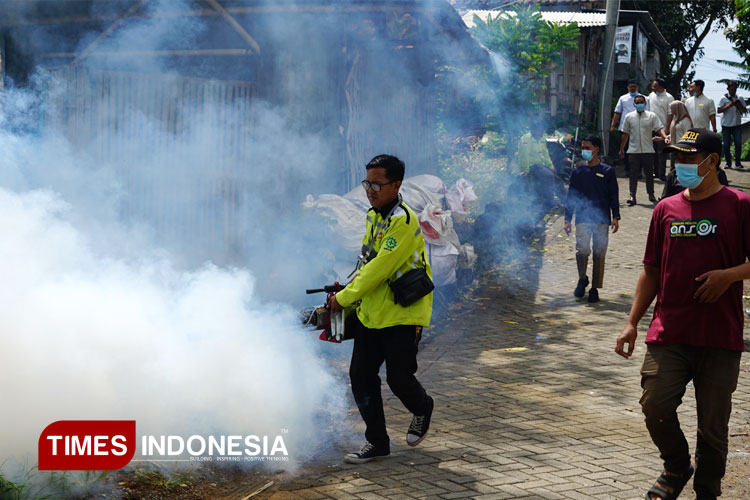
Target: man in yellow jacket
[(532, 149), (386, 331)]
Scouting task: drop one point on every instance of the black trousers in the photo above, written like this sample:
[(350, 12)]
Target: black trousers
[(640, 161), (397, 346), (660, 159)]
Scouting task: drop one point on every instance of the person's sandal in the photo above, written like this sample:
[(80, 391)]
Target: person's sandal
[(677, 483)]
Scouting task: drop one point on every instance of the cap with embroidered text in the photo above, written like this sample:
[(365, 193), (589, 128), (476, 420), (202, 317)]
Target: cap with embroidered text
[(697, 140)]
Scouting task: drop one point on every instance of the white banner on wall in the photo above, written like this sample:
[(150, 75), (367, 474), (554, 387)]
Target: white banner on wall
[(624, 43)]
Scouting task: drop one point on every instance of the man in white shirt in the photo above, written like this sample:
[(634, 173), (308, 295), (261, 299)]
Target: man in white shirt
[(659, 100), (701, 109), (625, 105), (731, 108), (637, 130)]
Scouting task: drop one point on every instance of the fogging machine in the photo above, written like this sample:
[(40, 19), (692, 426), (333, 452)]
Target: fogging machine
[(321, 318)]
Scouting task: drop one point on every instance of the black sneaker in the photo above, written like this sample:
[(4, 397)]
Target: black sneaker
[(366, 453), (593, 295), (581, 287), (739, 166), (727, 167), (419, 426)]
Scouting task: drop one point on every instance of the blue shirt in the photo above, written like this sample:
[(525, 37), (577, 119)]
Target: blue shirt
[(593, 195)]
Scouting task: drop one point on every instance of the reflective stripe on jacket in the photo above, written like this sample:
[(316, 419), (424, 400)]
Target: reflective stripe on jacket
[(400, 248)]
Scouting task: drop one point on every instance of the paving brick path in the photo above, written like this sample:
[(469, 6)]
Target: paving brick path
[(531, 400)]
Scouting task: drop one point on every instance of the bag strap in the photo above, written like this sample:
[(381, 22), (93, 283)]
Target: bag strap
[(398, 274), (362, 259)]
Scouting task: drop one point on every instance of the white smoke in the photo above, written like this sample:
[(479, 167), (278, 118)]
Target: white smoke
[(105, 317), (89, 337)]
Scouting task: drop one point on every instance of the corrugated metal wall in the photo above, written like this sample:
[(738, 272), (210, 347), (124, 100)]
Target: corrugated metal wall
[(389, 115), (106, 112)]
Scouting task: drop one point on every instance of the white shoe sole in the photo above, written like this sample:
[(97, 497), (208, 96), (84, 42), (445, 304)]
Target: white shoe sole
[(415, 443), (356, 460)]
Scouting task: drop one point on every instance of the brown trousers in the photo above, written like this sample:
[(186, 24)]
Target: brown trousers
[(585, 233), (665, 373)]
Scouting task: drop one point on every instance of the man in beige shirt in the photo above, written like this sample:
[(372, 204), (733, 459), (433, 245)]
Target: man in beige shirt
[(702, 110), (638, 129), (659, 100)]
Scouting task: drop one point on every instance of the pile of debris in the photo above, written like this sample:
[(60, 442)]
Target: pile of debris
[(436, 206)]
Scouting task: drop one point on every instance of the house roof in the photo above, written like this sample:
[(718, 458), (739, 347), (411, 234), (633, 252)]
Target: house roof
[(584, 19), (499, 4), (647, 24)]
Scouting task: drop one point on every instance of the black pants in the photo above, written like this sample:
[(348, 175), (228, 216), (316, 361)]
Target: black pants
[(397, 346), (640, 161), (660, 159), (626, 160)]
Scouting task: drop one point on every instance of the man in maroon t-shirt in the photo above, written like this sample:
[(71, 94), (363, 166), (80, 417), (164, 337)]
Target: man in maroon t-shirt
[(695, 262)]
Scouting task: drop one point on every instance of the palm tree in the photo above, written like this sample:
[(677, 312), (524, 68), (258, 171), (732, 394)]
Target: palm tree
[(743, 78)]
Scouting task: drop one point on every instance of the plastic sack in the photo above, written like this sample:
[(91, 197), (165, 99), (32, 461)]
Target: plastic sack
[(437, 226), (443, 261), (417, 192), (458, 197), (467, 256), (346, 219)]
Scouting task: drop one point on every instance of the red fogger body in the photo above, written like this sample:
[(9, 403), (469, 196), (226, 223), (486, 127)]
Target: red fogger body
[(321, 318)]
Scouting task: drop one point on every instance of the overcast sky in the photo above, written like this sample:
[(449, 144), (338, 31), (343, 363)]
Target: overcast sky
[(718, 47)]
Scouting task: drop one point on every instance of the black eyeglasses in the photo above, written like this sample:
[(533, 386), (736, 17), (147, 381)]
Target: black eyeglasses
[(374, 185)]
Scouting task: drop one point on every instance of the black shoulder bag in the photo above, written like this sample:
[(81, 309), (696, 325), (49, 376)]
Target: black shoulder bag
[(412, 286)]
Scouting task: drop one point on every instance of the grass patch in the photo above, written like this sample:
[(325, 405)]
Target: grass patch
[(155, 479)]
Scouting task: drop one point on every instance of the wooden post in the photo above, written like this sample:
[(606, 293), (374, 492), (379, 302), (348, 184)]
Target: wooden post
[(237, 26), (194, 52), (104, 34)]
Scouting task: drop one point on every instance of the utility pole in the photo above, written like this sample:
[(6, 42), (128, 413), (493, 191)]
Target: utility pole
[(608, 71)]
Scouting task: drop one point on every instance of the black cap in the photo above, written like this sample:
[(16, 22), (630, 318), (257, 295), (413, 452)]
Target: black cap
[(632, 82), (697, 140)]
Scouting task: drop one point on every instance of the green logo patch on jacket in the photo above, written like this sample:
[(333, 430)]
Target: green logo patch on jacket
[(390, 243)]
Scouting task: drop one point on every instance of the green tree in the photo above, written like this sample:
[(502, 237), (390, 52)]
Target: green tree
[(739, 35), (526, 50), (685, 25), (531, 46), (743, 77)]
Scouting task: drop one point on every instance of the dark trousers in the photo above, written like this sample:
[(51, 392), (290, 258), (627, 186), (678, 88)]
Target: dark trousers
[(640, 161), (729, 135), (397, 346), (665, 373), (626, 161), (586, 232), (660, 159)]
